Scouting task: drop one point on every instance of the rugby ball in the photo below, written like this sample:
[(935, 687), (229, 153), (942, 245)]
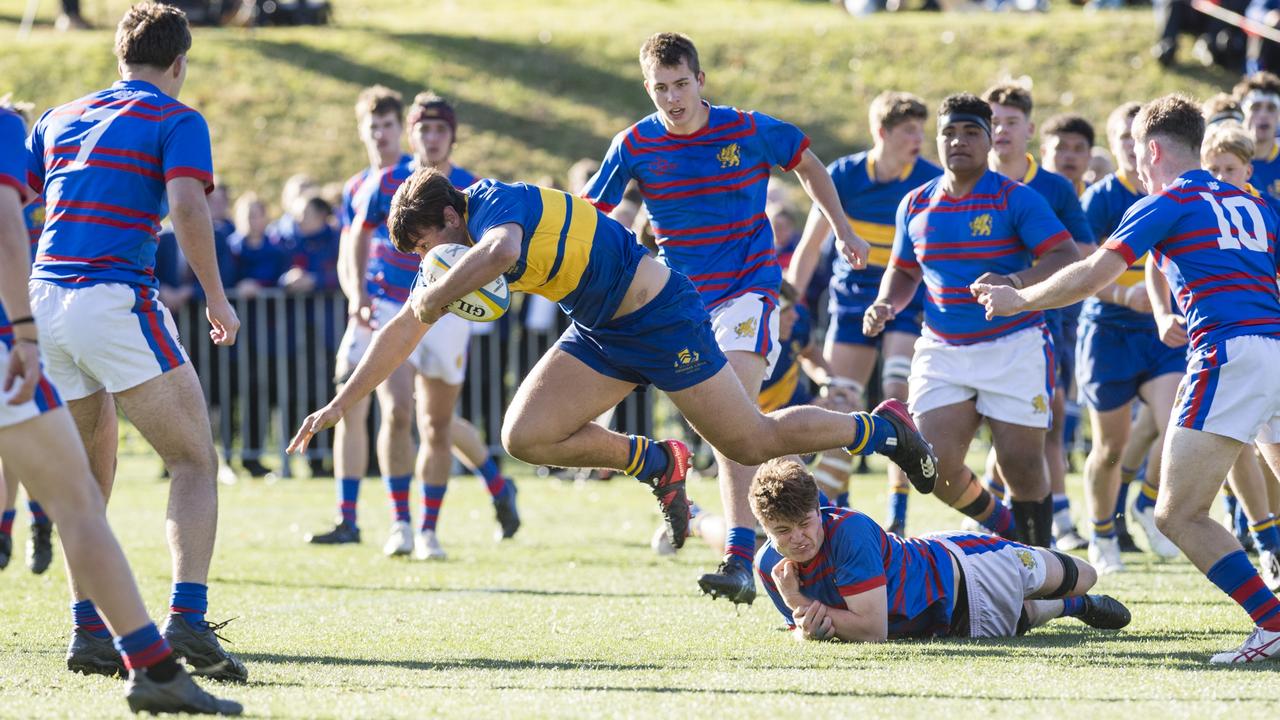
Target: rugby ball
[(484, 305)]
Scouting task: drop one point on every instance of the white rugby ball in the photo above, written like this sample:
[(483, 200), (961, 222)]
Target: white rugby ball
[(484, 305)]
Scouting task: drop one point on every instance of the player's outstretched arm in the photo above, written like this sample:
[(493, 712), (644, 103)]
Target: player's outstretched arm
[(1071, 284), (817, 183), (193, 227), (391, 346), (496, 252), (15, 268), (897, 287), (1171, 326)]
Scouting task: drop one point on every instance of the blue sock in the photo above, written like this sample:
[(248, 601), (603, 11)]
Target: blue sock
[(1000, 521), (493, 480), (1146, 498), (432, 499), (842, 500), (1072, 606), (996, 488), (37, 513), (84, 616), (898, 506), (6, 521), (398, 488), (348, 493), (1266, 534), (1070, 425), (1105, 528), (870, 433), (741, 544), (1236, 576), (143, 647), (190, 600), (1229, 503), (1060, 502), (1121, 498), (647, 460)]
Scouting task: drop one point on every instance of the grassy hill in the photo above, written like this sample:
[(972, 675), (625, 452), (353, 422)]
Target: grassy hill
[(539, 85)]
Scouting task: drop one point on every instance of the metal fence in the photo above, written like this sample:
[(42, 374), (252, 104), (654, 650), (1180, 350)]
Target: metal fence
[(281, 369)]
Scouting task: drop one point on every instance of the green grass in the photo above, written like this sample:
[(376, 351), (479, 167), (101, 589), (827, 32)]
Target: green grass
[(541, 84), (577, 618)]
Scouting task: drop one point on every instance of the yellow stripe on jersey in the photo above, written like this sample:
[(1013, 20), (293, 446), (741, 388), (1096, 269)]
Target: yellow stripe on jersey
[(777, 395), (560, 247), (1134, 274), (879, 237)]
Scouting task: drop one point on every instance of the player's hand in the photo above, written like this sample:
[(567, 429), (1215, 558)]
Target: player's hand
[(814, 621), (322, 419), (786, 575), (424, 308), (1136, 299), (23, 373), (223, 323), (854, 249), (360, 309), (990, 278), (998, 299), (1172, 329), (876, 316)]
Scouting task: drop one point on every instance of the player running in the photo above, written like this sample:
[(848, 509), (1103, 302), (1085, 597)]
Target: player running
[(870, 184), (109, 164), (1214, 244), (38, 441), (634, 322), (835, 575), (975, 223)]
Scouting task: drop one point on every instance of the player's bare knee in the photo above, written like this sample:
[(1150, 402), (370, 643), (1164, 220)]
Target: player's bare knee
[(1087, 579)]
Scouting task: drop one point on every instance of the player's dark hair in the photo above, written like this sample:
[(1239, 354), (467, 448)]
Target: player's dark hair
[(1174, 117), (152, 34), (1264, 81), (1064, 124), (419, 206), (967, 104), (667, 49), (1121, 118), (1221, 108), (319, 204), (379, 100), (783, 490), (1010, 95), (891, 108)]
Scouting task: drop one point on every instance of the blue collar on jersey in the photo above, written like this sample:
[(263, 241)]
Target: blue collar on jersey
[(978, 120)]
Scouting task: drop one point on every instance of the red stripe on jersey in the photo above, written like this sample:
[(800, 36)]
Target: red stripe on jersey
[(758, 217), (795, 159), (936, 256), (757, 175), (1030, 320), (65, 216), (130, 154), (1050, 242), (106, 261), (105, 207), (733, 273), (60, 162), (860, 587), (634, 131), (770, 293), (25, 194), (710, 178), (1125, 251)]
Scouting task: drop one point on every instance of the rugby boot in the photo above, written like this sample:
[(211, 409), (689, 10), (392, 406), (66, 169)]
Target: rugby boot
[(93, 655), (732, 580), (1125, 538), (1261, 645), (341, 534), (40, 547), (504, 506), (1104, 612), (1269, 569), (426, 546), (908, 448), (400, 541), (179, 695), (669, 489), (197, 643), (1104, 555), (1156, 540)]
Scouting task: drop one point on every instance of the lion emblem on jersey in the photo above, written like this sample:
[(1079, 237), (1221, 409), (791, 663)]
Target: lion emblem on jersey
[(729, 156), (1028, 560), (981, 226), (746, 328), (1040, 403)]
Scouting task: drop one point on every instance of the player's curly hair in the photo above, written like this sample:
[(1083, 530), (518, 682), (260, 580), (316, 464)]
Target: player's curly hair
[(379, 100), (783, 491), (419, 206), (1264, 81), (1175, 117), (1064, 123), (966, 103), (892, 108), (1010, 94), (152, 34), (667, 49)]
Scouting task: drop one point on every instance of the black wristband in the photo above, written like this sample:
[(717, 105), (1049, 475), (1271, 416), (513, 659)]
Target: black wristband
[(28, 320)]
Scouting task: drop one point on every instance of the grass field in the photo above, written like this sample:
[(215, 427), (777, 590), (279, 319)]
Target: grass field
[(577, 618), (541, 84)]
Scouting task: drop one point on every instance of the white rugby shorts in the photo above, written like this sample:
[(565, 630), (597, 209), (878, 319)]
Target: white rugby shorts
[(1011, 377), (999, 575), (45, 399), (748, 322), (441, 354)]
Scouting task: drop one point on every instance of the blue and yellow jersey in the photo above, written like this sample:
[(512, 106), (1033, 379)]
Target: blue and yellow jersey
[(1105, 202), (871, 207), (783, 387), (1266, 176), (571, 253), (1062, 198)]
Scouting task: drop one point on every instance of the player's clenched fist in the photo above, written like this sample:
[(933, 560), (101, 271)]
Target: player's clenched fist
[(876, 316), (998, 299)]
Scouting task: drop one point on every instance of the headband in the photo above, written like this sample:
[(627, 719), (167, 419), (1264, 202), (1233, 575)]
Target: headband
[(435, 110), (1259, 96), (957, 117), (1226, 115)]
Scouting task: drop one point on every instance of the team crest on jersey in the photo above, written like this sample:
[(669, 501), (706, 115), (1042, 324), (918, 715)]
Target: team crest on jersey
[(746, 328), (1028, 560), (687, 360), (981, 226), (729, 156), (1040, 403)]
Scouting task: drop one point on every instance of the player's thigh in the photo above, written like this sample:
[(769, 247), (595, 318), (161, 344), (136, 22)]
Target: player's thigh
[(1016, 443), (558, 397), (47, 454), (720, 410), (950, 430), (749, 367), (169, 411), (1159, 394), (1193, 467), (851, 360)]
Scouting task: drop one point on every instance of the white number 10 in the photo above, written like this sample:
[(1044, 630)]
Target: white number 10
[(1232, 234)]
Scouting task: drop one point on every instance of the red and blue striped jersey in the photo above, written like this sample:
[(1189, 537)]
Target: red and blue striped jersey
[(571, 253), (1216, 244), (872, 207), (999, 227), (1105, 202), (390, 273), (102, 163), (347, 210), (13, 174), (705, 193), (857, 556)]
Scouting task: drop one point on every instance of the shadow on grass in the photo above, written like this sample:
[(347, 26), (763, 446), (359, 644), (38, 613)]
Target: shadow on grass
[(433, 589), (476, 663)]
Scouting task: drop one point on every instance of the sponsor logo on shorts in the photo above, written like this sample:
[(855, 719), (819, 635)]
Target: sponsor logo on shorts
[(981, 226), (1040, 404), (1028, 559), (729, 156), (746, 328), (688, 360)]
